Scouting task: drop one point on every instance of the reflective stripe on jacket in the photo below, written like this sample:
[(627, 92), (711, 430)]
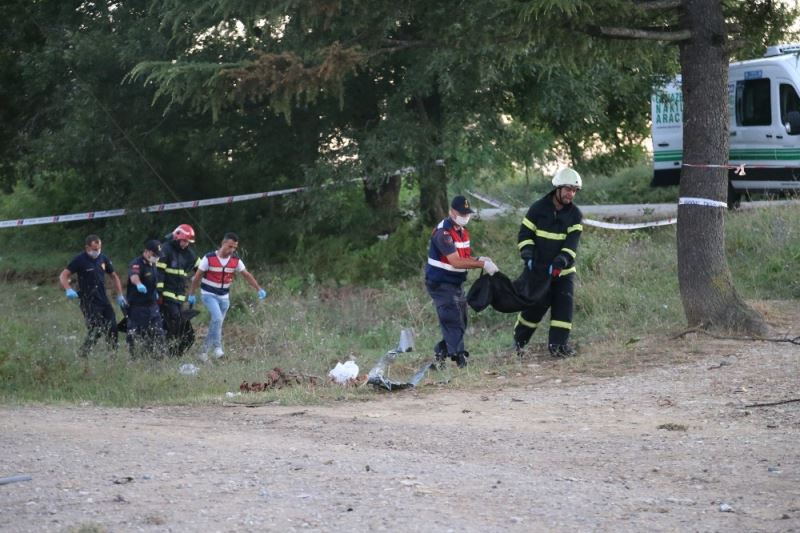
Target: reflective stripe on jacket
[(439, 268)]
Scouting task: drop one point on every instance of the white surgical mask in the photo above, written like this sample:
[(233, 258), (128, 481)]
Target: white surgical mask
[(462, 220), (94, 254)]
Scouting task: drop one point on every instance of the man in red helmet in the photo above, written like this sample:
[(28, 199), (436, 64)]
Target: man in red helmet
[(175, 267)]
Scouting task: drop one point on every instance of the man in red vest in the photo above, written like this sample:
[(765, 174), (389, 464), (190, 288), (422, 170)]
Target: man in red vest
[(214, 275), (449, 258)]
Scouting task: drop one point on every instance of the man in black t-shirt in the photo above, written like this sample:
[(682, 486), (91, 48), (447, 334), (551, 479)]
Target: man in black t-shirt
[(91, 266)]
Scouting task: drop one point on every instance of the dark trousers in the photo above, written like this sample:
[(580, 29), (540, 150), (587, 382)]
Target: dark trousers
[(560, 301), (451, 308), (145, 330), (100, 321), (178, 329)]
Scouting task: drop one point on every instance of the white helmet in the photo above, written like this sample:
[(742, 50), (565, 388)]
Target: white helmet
[(568, 177)]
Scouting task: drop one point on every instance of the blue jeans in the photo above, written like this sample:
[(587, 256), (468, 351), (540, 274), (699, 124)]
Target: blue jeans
[(217, 307)]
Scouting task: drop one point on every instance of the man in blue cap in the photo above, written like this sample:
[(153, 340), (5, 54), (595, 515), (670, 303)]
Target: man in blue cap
[(145, 325), (449, 258)]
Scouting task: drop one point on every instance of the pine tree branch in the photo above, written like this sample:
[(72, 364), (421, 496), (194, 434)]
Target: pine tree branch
[(648, 5), (634, 33)]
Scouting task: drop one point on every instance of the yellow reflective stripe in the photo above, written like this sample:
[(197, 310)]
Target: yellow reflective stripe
[(176, 271), (180, 298), (560, 324), (528, 224), (524, 322), (161, 265), (523, 244), (566, 271), (197, 263), (160, 285), (551, 236), (570, 252), (576, 227)]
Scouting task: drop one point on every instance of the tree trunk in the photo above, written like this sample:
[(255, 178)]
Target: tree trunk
[(433, 204), (383, 198), (707, 292)]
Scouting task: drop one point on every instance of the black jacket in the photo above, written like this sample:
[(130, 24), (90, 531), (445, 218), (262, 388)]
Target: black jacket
[(546, 233), (175, 266)]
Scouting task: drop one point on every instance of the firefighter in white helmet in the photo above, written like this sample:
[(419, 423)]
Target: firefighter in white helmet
[(548, 245)]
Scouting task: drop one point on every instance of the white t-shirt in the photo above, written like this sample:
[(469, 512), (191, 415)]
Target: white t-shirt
[(204, 267)]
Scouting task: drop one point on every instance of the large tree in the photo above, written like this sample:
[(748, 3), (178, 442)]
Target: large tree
[(444, 87), (708, 32)]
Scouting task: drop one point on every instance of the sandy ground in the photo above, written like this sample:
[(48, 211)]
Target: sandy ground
[(674, 448)]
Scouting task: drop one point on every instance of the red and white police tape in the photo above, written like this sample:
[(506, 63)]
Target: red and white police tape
[(158, 208)]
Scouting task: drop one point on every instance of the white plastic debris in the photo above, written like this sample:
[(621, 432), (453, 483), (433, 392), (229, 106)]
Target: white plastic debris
[(344, 372), (230, 394), (188, 369), (406, 341)]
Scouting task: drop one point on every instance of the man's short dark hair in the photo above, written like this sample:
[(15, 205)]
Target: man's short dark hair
[(91, 239), (230, 236)]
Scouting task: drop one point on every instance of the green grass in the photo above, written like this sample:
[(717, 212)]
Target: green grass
[(626, 291)]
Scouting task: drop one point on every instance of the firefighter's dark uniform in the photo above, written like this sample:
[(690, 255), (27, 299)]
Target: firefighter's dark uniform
[(145, 327), (175, 266), (544, 235), (444, 284), (97, 310)]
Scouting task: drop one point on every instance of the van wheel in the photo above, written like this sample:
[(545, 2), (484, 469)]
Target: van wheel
[(734, 198)]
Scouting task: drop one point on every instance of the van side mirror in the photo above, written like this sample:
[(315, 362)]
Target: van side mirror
[(793, 123)]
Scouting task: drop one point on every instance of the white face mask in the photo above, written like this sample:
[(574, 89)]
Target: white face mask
[(94, 254), (462, 220)]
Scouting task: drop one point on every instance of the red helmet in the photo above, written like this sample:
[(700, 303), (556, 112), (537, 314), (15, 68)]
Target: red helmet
[(184, 232)]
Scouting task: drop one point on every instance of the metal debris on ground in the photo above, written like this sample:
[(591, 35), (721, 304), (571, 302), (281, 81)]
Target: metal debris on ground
[(377, 376), (277, 379)]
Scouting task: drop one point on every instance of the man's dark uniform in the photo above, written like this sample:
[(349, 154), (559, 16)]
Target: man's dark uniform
[(550, 237), (97, 310), (145, 327)]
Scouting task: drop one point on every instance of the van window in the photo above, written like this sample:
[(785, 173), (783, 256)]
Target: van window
[(789, 101), (753, 103)]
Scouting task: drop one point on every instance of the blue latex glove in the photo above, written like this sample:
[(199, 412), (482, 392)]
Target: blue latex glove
[(529, 264), (121, 301), (262, 294), (191, 299), (71, 294), (141, 288)]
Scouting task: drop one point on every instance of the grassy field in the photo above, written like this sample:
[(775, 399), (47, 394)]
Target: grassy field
[(626, 291)]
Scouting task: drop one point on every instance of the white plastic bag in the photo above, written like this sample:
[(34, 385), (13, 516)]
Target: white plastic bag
[(344, 372)]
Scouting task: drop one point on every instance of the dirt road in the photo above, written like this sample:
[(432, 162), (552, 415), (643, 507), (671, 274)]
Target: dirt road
[(668, 449)]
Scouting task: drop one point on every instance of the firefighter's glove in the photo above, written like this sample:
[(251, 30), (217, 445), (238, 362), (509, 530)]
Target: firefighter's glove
[(262, 294), (553, 271), (560, 262), (71, 294), (141, 288), (121, 301), (489, 267), (191, 299)]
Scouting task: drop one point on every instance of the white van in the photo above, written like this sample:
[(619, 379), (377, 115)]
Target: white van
[(764, 127)]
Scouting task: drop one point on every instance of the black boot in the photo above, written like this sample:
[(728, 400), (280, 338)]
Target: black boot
[(460, 358), (562, 350), (440, 356)]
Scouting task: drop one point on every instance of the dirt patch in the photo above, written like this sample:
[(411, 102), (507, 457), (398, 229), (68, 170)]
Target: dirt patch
[(661, 448)]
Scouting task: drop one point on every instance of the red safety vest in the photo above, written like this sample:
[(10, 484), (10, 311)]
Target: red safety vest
[(218, 278)]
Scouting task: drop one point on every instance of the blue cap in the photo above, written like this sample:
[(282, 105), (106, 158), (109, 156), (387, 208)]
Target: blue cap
[(154, 246), (461, 205)]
